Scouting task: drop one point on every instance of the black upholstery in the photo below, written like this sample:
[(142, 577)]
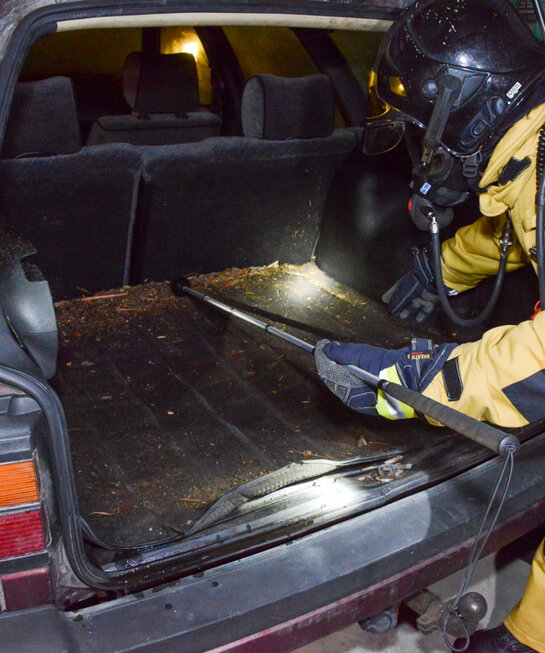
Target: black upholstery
[(42, 119), (161, 83), (162, 91), (161, 130), (77, 209), (281, 108), (231, 201), (95, 97), (239, 201)]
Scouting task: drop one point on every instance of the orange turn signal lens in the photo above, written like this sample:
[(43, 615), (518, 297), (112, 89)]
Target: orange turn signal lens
[(17, 483)]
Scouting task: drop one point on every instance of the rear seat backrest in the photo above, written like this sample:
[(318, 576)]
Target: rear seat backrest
[(239, 201), (76, 208), (283, 108), (42, 120), (163, 93)]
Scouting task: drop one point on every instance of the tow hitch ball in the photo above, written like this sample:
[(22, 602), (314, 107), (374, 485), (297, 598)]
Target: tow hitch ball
[(433, 614)]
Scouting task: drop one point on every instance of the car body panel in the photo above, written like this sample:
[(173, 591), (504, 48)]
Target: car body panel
[(286, 596)]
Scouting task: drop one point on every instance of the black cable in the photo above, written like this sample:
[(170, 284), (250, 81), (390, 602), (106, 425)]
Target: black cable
[(540, 18), (505, 242), (507, 468), (508, 465)]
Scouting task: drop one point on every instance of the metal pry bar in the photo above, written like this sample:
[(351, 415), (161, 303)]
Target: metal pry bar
[(485, 434), (179, 289)]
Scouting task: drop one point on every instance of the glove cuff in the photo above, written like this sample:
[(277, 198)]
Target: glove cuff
[(422, 268), (422, 363)]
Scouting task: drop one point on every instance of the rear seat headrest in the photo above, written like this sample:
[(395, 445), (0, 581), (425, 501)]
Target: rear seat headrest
[(281, 108), (42, 120), (161, 83)]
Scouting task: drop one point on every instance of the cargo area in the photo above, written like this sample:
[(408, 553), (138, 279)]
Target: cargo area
[(271, 206), (170, 404)]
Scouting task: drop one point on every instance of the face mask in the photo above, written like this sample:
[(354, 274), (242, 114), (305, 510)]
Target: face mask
[(444, 182)]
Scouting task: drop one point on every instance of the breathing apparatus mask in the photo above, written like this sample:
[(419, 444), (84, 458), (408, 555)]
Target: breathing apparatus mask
[(441, 179), (458, 70), (463, 72)]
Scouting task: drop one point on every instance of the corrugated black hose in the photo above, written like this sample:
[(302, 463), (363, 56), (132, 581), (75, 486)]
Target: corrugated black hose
[(540, 215), (505, 242)]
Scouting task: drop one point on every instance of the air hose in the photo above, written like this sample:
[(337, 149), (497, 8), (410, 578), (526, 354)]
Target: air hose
[(505, 242), (540, 214)]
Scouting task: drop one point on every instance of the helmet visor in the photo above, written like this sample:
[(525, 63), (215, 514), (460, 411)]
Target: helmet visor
[(386, 132), (382, 135)]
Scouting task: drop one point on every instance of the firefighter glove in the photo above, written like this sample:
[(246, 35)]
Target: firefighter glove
[(413, 367), (414, 296)]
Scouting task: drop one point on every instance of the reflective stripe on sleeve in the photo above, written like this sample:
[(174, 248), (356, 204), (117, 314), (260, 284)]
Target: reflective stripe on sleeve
[(389, 407)]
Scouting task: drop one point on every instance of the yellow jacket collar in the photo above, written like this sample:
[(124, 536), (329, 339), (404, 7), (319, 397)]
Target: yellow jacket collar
[(516, 142)]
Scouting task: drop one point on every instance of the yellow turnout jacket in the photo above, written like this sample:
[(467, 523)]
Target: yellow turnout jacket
[(502, 375)]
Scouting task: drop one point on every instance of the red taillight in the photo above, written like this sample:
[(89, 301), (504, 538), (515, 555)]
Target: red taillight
[(21, 533)]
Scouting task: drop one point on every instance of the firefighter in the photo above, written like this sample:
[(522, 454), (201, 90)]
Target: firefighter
[(471, 75)]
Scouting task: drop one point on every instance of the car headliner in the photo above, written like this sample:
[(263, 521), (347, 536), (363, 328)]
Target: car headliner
[(13, 12)]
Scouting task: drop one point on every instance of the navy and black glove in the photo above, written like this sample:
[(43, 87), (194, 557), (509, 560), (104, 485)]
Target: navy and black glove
[(414, 296), (413, 367)]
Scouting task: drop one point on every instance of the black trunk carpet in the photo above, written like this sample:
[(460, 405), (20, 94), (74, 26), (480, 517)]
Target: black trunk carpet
[(170, 404)]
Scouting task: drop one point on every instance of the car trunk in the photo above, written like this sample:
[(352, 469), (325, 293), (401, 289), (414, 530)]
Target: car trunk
[(170, 404)]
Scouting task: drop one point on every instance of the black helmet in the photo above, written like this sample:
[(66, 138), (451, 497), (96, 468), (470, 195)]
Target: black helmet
[(475, 58)]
